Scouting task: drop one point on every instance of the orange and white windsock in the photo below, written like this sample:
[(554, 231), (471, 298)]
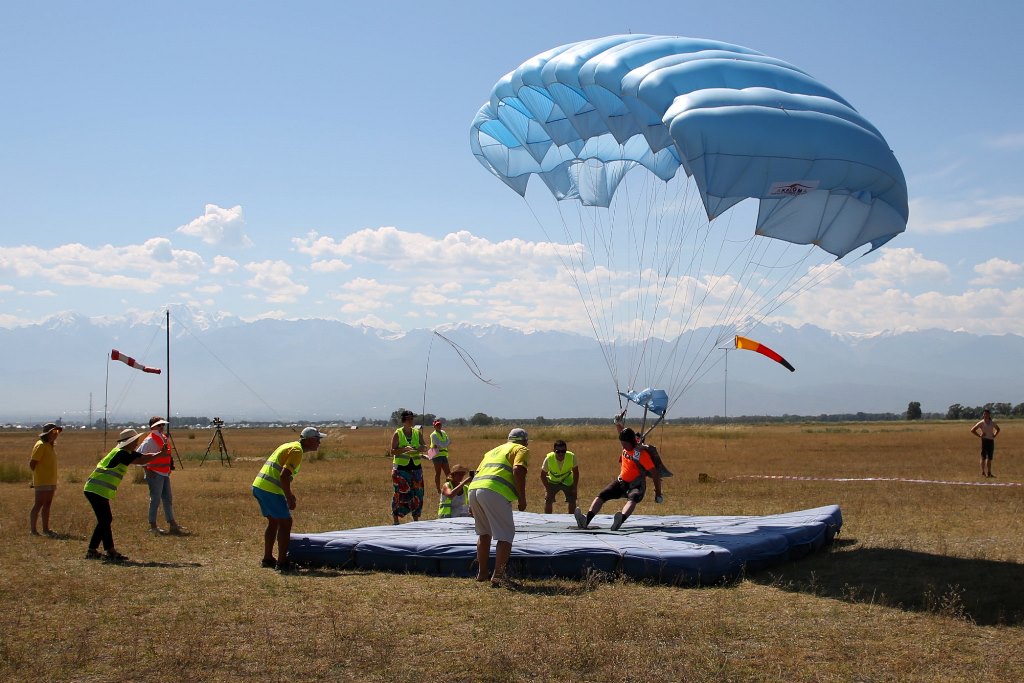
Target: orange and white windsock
[(128, 360)]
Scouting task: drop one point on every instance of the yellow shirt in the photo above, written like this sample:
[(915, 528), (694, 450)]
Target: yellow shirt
[(45, 458)]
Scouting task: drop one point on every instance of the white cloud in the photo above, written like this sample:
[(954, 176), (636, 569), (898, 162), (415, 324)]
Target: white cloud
[(330, 266), (400, 250), (142, 267), (274, 278), (1009, 142), (209, 289), (901, 265), (362, 295), (223, 265), (996, 271), (935, 216), (219, 226)]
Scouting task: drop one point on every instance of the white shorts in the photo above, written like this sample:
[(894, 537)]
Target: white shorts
[(492, 515)]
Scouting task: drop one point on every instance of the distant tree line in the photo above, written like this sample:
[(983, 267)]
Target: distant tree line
[(962, 412)]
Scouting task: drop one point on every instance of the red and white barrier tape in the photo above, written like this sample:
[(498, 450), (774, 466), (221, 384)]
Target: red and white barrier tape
[(908, 481)]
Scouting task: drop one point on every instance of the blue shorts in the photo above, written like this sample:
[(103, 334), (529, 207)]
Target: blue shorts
[(272, 505)]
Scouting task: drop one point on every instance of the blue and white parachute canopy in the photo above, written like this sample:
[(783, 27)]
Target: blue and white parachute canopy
[(740, 123), (653, 400)]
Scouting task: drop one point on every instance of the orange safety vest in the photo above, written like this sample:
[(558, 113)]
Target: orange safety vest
[(161, 463)]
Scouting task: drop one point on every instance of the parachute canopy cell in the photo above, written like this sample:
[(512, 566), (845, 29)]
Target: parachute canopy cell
[(740, 123)]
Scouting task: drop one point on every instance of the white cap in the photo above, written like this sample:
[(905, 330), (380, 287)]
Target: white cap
[(518, 435), (312, 433)]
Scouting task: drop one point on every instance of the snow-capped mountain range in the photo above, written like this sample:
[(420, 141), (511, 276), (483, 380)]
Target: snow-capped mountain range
[(326, 370)]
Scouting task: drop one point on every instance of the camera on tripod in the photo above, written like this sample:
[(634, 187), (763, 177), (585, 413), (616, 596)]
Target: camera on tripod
[(218, 438)]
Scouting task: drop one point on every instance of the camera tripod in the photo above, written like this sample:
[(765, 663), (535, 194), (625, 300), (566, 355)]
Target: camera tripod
[(222, 448)]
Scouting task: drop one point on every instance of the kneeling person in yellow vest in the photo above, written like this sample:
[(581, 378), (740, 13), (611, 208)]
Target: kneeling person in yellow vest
[(454, 496), (500, 479), (101, 487), (559, 473), (272, 488)]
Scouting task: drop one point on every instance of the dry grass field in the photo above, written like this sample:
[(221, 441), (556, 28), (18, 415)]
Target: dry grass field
[(923, 584)]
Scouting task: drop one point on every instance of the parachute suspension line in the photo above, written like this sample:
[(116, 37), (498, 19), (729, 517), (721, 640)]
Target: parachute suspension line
[(573, 261), (230, 370), (426, 374), (464, 356)]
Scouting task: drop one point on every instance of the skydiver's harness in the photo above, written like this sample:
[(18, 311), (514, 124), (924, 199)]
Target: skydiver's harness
[(634, 456)]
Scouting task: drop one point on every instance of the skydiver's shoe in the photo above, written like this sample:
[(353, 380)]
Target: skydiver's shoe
[(581, 519), (617, 521)]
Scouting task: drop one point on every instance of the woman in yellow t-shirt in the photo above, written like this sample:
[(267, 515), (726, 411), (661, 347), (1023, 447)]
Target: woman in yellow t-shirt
[(44, 476)]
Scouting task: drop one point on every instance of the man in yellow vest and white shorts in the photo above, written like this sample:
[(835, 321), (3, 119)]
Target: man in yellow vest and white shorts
[(500, 479)]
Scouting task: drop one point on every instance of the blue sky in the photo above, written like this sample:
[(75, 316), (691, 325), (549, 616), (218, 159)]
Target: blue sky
[(311, 159)]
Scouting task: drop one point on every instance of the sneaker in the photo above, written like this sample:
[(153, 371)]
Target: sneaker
[(617, 521), (581, 519), (178, 530), (93, 554), (157, 531), (50, 533), (285, 566), (115, 557), (268, 562)]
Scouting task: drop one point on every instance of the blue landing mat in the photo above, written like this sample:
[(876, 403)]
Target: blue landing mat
[(675, 549)]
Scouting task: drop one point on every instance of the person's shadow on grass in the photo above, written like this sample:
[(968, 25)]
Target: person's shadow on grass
[(986, 592)]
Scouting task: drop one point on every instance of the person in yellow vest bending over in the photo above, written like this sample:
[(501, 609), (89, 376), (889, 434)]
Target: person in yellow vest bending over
[(158, 475), (454, 496), (500, 479), (272, 489), (559, 473), (101, 487), (407, 446)]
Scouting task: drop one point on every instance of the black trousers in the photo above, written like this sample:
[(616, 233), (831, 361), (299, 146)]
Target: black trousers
[(103, 533)]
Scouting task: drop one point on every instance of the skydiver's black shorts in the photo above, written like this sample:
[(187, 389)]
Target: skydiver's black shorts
[(988, 448), (634, 490)]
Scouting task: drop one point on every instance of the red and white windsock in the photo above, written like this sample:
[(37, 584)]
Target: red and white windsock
[(128, 360)]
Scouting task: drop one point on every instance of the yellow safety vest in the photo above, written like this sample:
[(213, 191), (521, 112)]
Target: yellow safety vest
[(269, 478), (495, 471), (407, 459), (560, 473), (442, 442), (445, 505), (104, 480)]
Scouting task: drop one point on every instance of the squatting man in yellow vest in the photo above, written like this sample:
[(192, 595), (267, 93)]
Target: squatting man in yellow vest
[(500, 480), (272, 488), (559, 473)]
